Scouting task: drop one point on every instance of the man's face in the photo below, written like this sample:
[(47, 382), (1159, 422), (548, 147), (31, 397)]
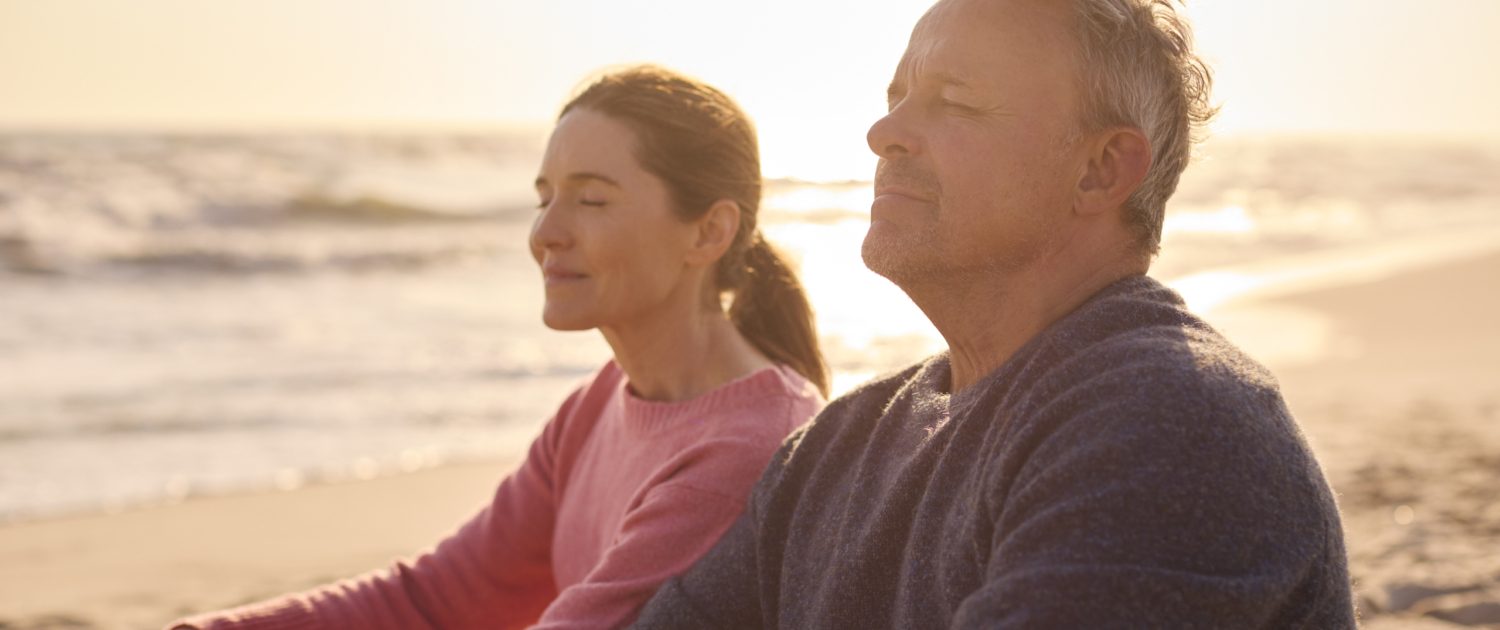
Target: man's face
[(976, 171)]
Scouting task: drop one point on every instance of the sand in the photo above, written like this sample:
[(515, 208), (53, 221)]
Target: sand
[(1401, 403), (1405, 417)]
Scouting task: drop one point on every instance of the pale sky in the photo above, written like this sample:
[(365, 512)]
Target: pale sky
[(811, 73)]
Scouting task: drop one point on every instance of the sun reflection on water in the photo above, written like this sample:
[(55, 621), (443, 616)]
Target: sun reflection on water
[(867, 326)]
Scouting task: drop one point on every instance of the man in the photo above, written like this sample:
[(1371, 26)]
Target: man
[(1087, 453)]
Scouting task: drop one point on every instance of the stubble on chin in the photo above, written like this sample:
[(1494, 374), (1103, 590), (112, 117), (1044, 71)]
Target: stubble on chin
[(906, 253), (903, 255)]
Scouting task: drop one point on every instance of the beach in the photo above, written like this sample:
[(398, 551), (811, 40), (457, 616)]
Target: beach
[(1403, 419), (1406, 422)]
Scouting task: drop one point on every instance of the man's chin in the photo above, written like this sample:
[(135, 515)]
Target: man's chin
[(886, 253)]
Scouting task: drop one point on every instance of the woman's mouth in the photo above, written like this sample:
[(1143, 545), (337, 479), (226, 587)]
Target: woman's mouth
[(554, 276)]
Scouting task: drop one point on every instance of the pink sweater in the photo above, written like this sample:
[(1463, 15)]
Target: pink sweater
[(615, 496)]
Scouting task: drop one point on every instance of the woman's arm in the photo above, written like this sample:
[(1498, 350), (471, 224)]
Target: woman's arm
[(494, 572), (672, 528)]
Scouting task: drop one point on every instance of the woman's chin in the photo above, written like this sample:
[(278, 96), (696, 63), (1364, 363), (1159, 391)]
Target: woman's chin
[(565, 321)]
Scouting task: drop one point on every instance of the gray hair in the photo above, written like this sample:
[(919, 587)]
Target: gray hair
[(1139, 70)]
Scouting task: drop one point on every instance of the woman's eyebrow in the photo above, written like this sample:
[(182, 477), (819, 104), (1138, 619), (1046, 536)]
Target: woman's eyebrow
[(584, 176)]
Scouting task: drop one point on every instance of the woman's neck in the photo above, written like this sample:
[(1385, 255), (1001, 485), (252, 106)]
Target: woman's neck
[(683, 353)]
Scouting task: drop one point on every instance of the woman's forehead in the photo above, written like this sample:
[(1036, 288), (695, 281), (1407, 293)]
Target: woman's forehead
[(588, 141)]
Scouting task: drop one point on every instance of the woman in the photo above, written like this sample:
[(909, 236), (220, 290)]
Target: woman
[(649, 190)]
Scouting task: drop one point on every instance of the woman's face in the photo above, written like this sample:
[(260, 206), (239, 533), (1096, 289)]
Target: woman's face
[(611, 250)]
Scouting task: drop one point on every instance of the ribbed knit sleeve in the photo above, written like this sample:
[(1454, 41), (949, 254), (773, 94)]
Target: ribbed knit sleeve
[(494, 572), (659, 539)]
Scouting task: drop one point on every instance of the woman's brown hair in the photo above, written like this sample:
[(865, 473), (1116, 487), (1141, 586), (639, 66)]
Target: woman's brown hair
[(699, 142)]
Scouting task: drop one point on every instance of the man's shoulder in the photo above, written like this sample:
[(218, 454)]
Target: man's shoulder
[(868, 401), (1146, 340), (878, 393), (1137, 364), (1149, 386)]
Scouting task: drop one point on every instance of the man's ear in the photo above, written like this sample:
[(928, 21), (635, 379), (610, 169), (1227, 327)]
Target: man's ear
[(716, 230), (1118, 161)]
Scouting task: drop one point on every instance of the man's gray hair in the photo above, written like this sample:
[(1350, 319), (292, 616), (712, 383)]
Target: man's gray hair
[(1139, 70)]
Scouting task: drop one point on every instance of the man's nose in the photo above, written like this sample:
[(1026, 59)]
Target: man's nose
[(891, 136)]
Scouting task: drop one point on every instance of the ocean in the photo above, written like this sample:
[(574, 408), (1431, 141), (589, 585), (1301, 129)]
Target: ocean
[(186, 315)]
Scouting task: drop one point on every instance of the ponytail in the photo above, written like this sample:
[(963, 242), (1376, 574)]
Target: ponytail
[(771, 310)]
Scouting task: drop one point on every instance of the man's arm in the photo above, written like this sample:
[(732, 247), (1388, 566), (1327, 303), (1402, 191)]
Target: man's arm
[(720, 591), (1162, 511)]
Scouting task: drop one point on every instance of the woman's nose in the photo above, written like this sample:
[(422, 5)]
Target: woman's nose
[(549, 230)]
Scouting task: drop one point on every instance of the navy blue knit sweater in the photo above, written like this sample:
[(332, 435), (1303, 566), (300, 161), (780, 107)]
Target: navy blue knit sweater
[(1127, 468)]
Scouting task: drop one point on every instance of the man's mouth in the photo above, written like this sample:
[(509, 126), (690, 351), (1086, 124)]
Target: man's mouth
[(902, 191)]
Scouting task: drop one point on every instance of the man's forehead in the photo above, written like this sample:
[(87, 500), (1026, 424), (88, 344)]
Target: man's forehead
[(957, 41)]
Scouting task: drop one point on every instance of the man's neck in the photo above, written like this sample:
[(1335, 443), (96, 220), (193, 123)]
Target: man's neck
[(987, 317)]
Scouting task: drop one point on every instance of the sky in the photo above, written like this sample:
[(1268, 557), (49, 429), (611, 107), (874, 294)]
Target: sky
[(812, 73)]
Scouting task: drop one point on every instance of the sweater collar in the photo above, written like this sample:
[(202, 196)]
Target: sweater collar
[(937, 372), (651, 415)]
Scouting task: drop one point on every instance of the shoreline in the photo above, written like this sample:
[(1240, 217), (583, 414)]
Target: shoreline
[(1288, 277), (1289, 312), (290, 480)]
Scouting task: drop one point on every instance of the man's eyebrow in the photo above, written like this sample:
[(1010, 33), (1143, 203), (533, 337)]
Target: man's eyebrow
[(583, 176), (948, 78), (944, 78)]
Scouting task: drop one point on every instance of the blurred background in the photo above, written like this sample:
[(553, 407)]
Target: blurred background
[(250, 251)]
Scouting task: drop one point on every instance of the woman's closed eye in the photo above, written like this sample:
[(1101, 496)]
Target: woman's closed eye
[(595, 203)]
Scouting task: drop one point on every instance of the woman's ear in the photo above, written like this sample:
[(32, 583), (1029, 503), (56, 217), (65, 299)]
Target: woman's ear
[(716, 231)]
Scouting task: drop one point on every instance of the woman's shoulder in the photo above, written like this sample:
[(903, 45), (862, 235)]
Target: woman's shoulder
[(777, 390), (589, 398), (603, 382)]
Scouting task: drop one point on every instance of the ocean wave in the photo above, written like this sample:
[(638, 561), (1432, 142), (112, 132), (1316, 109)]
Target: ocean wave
[(374, 209), (138, 412), (316, 242), (75, 203), (224, 262), (21, 256)]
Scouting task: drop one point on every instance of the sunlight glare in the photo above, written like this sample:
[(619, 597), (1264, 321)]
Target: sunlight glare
[(855, 307), (1225, 220)]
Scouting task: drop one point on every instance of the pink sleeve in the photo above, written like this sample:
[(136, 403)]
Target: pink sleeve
[(674, 525), (495, 572)]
